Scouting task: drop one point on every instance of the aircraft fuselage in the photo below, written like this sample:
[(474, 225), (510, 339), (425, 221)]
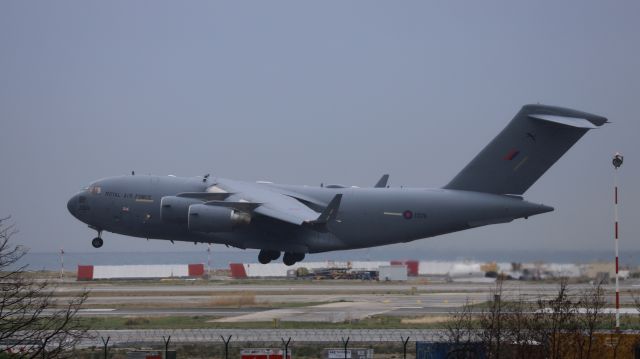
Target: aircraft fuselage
[(367, 217)]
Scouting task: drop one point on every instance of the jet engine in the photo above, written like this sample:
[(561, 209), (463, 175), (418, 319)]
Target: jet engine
[(210, 219), (176, 209)]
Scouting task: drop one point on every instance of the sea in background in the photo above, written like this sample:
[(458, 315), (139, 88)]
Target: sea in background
[(221, 259)]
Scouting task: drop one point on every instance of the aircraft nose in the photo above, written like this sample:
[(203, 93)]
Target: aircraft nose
[(72, 205)]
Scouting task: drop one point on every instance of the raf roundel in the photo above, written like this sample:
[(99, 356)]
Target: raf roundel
[(407, 214)]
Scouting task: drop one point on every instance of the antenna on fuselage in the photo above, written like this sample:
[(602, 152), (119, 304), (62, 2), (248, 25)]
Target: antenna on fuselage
[(206, 177), (133, 173)]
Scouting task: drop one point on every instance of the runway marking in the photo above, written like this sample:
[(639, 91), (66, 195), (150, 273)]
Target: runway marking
[(97, 310)]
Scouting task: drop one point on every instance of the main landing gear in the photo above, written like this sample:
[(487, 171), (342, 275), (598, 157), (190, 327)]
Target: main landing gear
[(97, 242), (289, 258), (267, 256)]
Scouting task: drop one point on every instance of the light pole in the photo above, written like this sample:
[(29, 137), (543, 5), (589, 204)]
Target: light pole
[(617, 162)]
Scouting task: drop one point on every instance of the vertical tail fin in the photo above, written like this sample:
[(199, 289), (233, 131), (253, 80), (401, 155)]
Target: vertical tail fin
[(530, 144)]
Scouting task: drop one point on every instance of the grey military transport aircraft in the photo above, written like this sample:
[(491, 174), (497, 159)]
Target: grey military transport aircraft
[(296, 220)]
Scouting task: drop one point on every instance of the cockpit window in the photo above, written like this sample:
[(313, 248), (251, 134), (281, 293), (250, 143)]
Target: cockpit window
[(95, 189)]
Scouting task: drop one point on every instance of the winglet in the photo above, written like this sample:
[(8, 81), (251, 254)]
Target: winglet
[(329, 213), (382, 182)]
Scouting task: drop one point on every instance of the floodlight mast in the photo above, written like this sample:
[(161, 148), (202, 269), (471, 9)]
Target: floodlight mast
[(617, 161)]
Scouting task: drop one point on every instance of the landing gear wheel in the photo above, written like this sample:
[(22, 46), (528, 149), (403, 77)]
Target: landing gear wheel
[(291, 258), (267, 256), (264, 257), (288, 259), (97, 242)]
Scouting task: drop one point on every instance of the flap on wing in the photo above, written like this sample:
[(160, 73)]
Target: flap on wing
[(567, 121), (287, 209), (240, 206), (205, 196), (283, 215)]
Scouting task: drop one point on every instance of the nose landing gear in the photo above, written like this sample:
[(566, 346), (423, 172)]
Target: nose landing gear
[(97, 242)]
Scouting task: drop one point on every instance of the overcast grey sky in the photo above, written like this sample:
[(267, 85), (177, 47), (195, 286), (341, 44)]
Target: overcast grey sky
[(308, 92)]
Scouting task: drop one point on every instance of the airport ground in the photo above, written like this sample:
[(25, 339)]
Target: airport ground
[(315, 314), (226, 303)]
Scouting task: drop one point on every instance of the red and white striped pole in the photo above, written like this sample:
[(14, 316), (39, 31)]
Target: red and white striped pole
[(617, 162)]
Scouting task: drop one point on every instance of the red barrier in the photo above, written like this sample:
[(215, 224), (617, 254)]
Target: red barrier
[(237, 270), (196, 270), (85, 272)]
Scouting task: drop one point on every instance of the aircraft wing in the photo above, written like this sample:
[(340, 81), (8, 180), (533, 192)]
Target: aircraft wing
[(271, 203), (288, 210), (300, 214)]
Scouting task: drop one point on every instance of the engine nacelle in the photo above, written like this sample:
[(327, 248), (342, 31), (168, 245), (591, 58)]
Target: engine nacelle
[(210, 219), (176, 209)]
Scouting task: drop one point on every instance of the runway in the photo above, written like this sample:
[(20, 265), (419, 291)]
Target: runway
[(303, 301)]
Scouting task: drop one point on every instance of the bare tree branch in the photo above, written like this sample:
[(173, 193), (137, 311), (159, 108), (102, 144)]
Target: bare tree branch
[(30, 318)]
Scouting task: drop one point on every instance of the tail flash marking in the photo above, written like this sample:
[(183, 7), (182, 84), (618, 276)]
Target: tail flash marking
[(511, 155), (520, 164)]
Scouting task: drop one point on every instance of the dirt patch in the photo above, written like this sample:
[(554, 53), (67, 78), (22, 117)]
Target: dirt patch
[(242, 300), (429, 319)]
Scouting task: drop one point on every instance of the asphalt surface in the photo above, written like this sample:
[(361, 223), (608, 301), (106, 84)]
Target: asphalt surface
[(307, 286), (304, 301)]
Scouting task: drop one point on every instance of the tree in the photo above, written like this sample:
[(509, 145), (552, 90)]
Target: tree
[(556, 324), (519, 330), (593, 302), (492, 322), (32, 323), (459, 330), (460, 334), (563, 325)]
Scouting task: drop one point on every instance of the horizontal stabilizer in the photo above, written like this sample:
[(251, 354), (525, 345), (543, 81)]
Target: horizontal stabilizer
[(567, 121)]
